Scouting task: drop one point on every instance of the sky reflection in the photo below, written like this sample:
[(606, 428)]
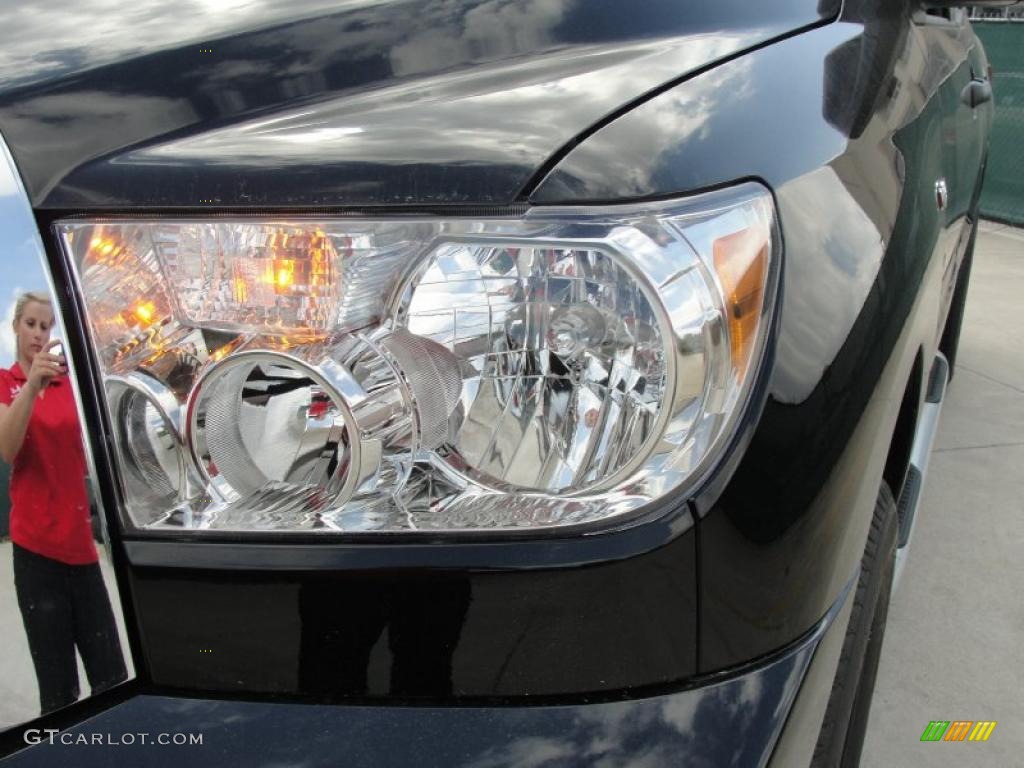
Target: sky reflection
[(21, 271)]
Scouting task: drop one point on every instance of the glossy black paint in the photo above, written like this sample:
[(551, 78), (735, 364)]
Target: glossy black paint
[(471, 117), (852, 125), (420, 633), (426, 104), (729, 722), (415, 102)]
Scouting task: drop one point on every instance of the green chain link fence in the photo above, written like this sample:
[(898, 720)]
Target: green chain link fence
[(1002, 197)]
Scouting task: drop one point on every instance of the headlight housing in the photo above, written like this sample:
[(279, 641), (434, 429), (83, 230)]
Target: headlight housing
[(565, 367)]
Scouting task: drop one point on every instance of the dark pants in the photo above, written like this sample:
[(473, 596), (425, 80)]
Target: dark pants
[(342, 623), (64, 606)]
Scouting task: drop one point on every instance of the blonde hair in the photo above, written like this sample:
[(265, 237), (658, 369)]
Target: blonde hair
[(25, 298)]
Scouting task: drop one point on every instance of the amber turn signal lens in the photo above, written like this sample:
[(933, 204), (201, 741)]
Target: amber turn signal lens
[(741, 261)]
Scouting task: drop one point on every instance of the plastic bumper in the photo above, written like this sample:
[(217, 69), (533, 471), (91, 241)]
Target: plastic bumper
[(734, 719)]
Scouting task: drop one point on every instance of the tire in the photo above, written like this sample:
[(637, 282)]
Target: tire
[(846, 717), (950, 341)]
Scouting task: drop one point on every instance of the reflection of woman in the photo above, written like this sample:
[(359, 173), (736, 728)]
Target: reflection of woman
[(57, 577)]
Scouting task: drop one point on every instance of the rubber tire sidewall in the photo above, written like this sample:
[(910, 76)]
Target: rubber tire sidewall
[(858, 725), (845, 723)]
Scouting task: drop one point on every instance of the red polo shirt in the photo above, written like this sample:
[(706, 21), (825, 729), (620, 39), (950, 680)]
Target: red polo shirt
[(49, 504)]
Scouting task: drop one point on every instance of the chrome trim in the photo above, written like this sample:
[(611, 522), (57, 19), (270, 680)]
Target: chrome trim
[(921, 451), (166, 405), (941, 194)]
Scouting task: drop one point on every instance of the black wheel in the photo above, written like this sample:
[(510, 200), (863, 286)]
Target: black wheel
[(846, 718), (950, 341)]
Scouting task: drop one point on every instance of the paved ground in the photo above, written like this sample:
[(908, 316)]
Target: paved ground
[(954, 646)]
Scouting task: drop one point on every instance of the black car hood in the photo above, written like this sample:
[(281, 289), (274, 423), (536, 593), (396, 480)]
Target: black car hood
[(414, 102)]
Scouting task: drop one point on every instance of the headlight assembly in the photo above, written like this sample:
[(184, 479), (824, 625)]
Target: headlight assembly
[(565, 367)]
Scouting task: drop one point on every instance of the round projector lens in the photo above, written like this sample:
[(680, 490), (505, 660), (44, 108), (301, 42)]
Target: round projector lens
[(287, 436), (564, 363), (262, 418)]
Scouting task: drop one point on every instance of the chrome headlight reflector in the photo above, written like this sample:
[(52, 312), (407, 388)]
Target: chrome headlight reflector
[(565, 361), (565, 367)]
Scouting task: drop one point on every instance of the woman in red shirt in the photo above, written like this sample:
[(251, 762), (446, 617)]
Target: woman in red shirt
[(61, 594)]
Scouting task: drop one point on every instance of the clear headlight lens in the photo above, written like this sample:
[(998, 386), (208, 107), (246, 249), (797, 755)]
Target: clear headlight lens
[(563, 355), (565, 367)]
